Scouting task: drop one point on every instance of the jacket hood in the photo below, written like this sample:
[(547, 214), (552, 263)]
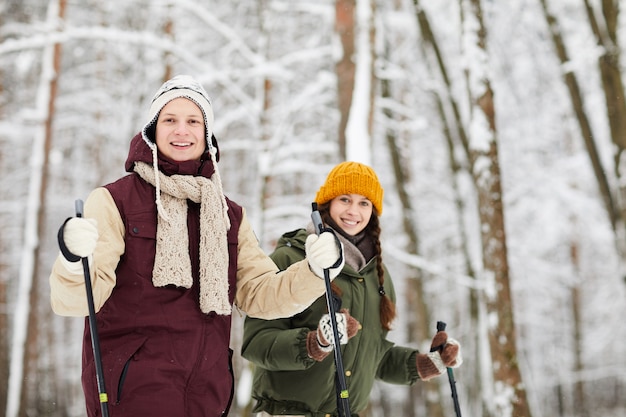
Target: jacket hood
[(139, 151)]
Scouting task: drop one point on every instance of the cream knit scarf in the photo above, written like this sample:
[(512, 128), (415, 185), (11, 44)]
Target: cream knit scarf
[(172, 265)]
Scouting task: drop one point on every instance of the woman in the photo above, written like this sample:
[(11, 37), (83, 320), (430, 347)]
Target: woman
[(350, 202), (169, 254)]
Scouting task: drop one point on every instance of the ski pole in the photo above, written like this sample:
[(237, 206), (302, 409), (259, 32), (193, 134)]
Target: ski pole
[(441, 326), (343, 404), (95, 342)]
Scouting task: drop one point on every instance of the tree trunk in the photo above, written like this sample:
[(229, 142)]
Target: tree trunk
[(485, 169), (4, 309), (24, 350), (4, 341), (419, 326), (609, 63), (613, 87), (454, 132), (579, 405), (345, 68), (581, 116)]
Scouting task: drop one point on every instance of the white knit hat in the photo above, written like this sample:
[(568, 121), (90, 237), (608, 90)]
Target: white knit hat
[(180, 86), (187, 87)]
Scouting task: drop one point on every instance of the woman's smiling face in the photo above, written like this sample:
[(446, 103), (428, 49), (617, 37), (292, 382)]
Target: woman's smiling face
[(351, 212), (180, 130)]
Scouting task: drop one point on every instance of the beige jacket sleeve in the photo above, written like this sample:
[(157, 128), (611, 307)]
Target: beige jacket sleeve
[(264, 292), (67, 290)]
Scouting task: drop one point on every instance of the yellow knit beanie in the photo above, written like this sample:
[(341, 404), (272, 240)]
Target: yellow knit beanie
[(352, 178)]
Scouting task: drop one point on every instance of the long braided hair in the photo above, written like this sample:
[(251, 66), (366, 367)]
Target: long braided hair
[(387, 307)]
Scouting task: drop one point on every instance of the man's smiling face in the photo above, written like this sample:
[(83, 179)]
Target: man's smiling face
[(180, 130)]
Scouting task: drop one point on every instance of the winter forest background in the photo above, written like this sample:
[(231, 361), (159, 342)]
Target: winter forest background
[(497, 129)]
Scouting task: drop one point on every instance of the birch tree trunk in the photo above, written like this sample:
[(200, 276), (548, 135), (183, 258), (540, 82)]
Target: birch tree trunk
[(24, 342), (483, 148), (361, 114)]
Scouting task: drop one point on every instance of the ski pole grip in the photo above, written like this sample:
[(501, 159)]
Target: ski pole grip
[(441, 326), (78, 205), (316, 218)]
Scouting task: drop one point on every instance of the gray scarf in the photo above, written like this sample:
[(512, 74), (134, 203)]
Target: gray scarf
[(351, 253)]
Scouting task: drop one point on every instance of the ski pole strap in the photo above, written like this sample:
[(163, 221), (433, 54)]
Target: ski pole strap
[(337, 242), (64, 250), (316, 218), (336, 300)]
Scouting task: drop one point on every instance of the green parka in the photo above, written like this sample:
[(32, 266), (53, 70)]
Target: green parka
[(288, 381)]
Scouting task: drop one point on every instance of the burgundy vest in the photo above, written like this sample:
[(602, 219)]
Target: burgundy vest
[(140, 318)]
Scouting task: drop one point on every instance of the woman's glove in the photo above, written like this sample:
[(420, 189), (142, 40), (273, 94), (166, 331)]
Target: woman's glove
[(319, 342), (77, 239), (445, 353), (324, 252)]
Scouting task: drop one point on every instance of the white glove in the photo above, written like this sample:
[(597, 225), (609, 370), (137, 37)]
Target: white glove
[(75, 268), (80, 236), (322, 252)]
